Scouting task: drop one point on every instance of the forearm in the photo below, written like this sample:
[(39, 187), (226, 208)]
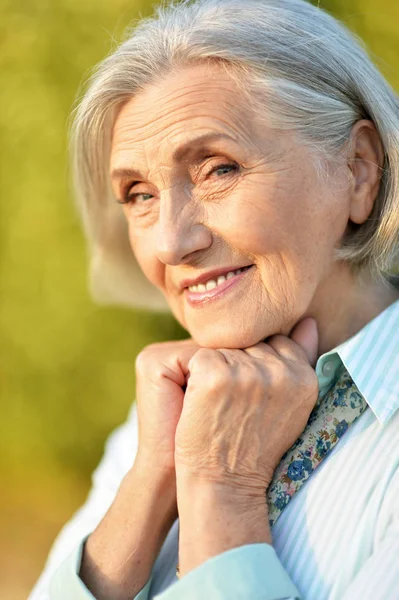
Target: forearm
[(119, 555), (214, 519)]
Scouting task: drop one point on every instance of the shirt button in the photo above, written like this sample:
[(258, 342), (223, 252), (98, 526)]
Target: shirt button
[(328, 368)]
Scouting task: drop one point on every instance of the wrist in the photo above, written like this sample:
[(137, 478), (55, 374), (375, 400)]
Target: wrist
[(119, 554), (214, 518), (148, 465), (157, 488), (142, 513)]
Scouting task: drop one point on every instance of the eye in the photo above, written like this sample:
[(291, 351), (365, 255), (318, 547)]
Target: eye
[(224, 169), (129, 197), (136, 196)]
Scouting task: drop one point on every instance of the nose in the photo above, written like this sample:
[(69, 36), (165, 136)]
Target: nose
[(179, 231)]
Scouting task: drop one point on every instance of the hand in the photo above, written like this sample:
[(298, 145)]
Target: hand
[(120, 553), (243, 409), (161, 371)]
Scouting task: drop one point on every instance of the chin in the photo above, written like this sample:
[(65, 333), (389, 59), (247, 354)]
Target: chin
[(227, 337)]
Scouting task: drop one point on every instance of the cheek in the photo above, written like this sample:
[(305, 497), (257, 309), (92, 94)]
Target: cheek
[(259, 222), (287, 234)]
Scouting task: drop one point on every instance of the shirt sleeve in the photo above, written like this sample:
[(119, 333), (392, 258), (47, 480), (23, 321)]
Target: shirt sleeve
[(251, 571), (119, 455)]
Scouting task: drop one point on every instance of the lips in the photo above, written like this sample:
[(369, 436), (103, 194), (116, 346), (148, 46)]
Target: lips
[(214, 274), (201, 298)]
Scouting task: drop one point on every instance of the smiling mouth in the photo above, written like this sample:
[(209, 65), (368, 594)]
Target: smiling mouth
[(217, 289), (214, 283)]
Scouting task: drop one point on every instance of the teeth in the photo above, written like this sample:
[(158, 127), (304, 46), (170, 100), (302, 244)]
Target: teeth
[(211, 283)]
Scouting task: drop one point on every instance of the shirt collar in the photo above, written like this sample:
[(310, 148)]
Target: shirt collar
[(371, 358)]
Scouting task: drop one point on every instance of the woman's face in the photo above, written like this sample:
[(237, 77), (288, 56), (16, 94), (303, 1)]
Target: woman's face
[(209, 186)]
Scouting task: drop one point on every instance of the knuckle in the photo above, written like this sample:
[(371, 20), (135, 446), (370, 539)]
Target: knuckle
[(278, 338), (141, 360), (278, 374), (218, 378), (215, 380), (146, 357), (250, 373), (199, 356)]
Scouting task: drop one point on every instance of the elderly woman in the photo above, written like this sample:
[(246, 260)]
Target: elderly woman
[(238, 164)]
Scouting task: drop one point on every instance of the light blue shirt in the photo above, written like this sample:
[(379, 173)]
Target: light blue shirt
[(338, 538)]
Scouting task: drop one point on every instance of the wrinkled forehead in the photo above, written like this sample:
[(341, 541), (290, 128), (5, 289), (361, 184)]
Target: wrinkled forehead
[(193, 102)]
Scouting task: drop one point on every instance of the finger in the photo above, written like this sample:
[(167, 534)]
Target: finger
[(261, 350), (302, 343), (207, 365), (181, 355), (205, 360), (284, 347), (305, 334)]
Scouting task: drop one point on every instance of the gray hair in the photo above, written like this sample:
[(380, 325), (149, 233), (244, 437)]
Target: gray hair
[(318, 80)]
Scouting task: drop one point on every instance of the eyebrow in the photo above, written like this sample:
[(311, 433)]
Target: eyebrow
[(181, 153)]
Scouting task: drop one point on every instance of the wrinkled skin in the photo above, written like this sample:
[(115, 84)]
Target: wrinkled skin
[(249, 195)]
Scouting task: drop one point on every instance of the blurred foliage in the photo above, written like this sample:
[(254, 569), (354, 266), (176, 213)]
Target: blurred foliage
[(67, 365)]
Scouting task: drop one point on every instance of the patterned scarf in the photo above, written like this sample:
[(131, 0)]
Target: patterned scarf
[(332, 415)]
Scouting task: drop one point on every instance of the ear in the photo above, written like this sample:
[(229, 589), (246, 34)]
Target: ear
[(365, 162)]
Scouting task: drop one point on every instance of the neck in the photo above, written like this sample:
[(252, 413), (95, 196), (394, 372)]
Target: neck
[(345, 303)]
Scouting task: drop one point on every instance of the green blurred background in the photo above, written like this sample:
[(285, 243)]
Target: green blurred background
[(67, 365)]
